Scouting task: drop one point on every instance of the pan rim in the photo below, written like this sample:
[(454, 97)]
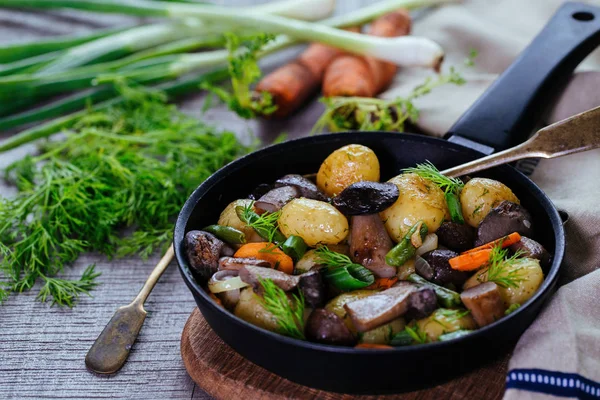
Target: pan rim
[(206, 186)]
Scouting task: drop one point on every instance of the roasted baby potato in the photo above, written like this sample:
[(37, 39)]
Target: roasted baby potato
[(314, 221), (480, 195), (250, 308), (345, 166), (525, 273), (384, 333), (229, 218), (419, 200), (445, 321)]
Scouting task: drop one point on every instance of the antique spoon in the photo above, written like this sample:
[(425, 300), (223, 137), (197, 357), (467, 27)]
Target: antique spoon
[(575, 134), (110, 351)]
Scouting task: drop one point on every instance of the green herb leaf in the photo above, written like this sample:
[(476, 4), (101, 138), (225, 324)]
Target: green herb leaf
[(372, 114), (331, 259), (131, 165), (288, 312), (265, 224), (66, 292), (502, 270), (430, 172), (244, 71)]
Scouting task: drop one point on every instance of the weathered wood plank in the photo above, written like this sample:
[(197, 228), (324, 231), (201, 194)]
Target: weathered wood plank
[(42, 350)]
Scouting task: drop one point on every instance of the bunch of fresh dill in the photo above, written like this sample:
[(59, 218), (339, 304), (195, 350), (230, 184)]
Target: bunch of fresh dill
[(130, 166)]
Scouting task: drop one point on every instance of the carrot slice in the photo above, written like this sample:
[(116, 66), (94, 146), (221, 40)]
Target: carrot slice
[(268, 252), (372, 346), (506, 241), (383, 283), (470, 261)]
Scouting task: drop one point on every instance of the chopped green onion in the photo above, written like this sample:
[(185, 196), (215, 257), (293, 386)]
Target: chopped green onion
[(350, 277), (227, 234), (294, 247), (20, 51), (403, 50)]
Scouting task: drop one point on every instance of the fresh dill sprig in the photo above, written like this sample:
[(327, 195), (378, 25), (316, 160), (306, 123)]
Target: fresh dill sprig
[(66, 292), (265, 224), (451, 315), (502, 270), (130, 166), (331, 259), (373, 114), (418, 336), (429, 171), (244, 71), (288, 312)]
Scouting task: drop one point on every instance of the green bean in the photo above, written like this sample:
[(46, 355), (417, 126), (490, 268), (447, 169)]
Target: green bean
[(454, 207), (226, 234), (404, 250)]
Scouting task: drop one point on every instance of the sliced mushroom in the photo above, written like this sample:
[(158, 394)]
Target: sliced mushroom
[(457, 237), (260, 191), (307, 188), (251, 275), (203, 250), (381, 308), (312, 287), (532, 249), (485, 303), (503, 220), (436, 268), (235, 263), (324, 326), (275, 199), (366, 198), (369, 243), (421, 303)]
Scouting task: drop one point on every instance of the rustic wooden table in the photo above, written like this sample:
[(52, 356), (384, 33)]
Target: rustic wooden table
[(42, 349)]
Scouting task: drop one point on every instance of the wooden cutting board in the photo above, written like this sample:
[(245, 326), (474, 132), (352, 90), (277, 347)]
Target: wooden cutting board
[(224, 374)]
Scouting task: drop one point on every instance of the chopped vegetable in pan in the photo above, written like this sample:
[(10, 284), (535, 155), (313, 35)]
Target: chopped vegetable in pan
[(350, 261)]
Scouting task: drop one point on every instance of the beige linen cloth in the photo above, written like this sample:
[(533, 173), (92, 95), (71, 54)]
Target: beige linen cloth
[(564, 341)]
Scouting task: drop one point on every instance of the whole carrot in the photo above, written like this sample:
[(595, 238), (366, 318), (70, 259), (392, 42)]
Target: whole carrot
[(350, 75), (293, 83)]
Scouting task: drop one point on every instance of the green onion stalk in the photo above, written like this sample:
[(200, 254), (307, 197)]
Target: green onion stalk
[(80, 78), (79, 100), (144, 37), (15, 52), (172, 89), (405, 51)]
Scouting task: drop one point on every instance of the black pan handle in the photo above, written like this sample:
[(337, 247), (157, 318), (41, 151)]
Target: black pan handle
[(509, 110)]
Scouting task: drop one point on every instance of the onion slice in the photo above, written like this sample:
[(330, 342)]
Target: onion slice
[(224, 281), (430, 243)]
